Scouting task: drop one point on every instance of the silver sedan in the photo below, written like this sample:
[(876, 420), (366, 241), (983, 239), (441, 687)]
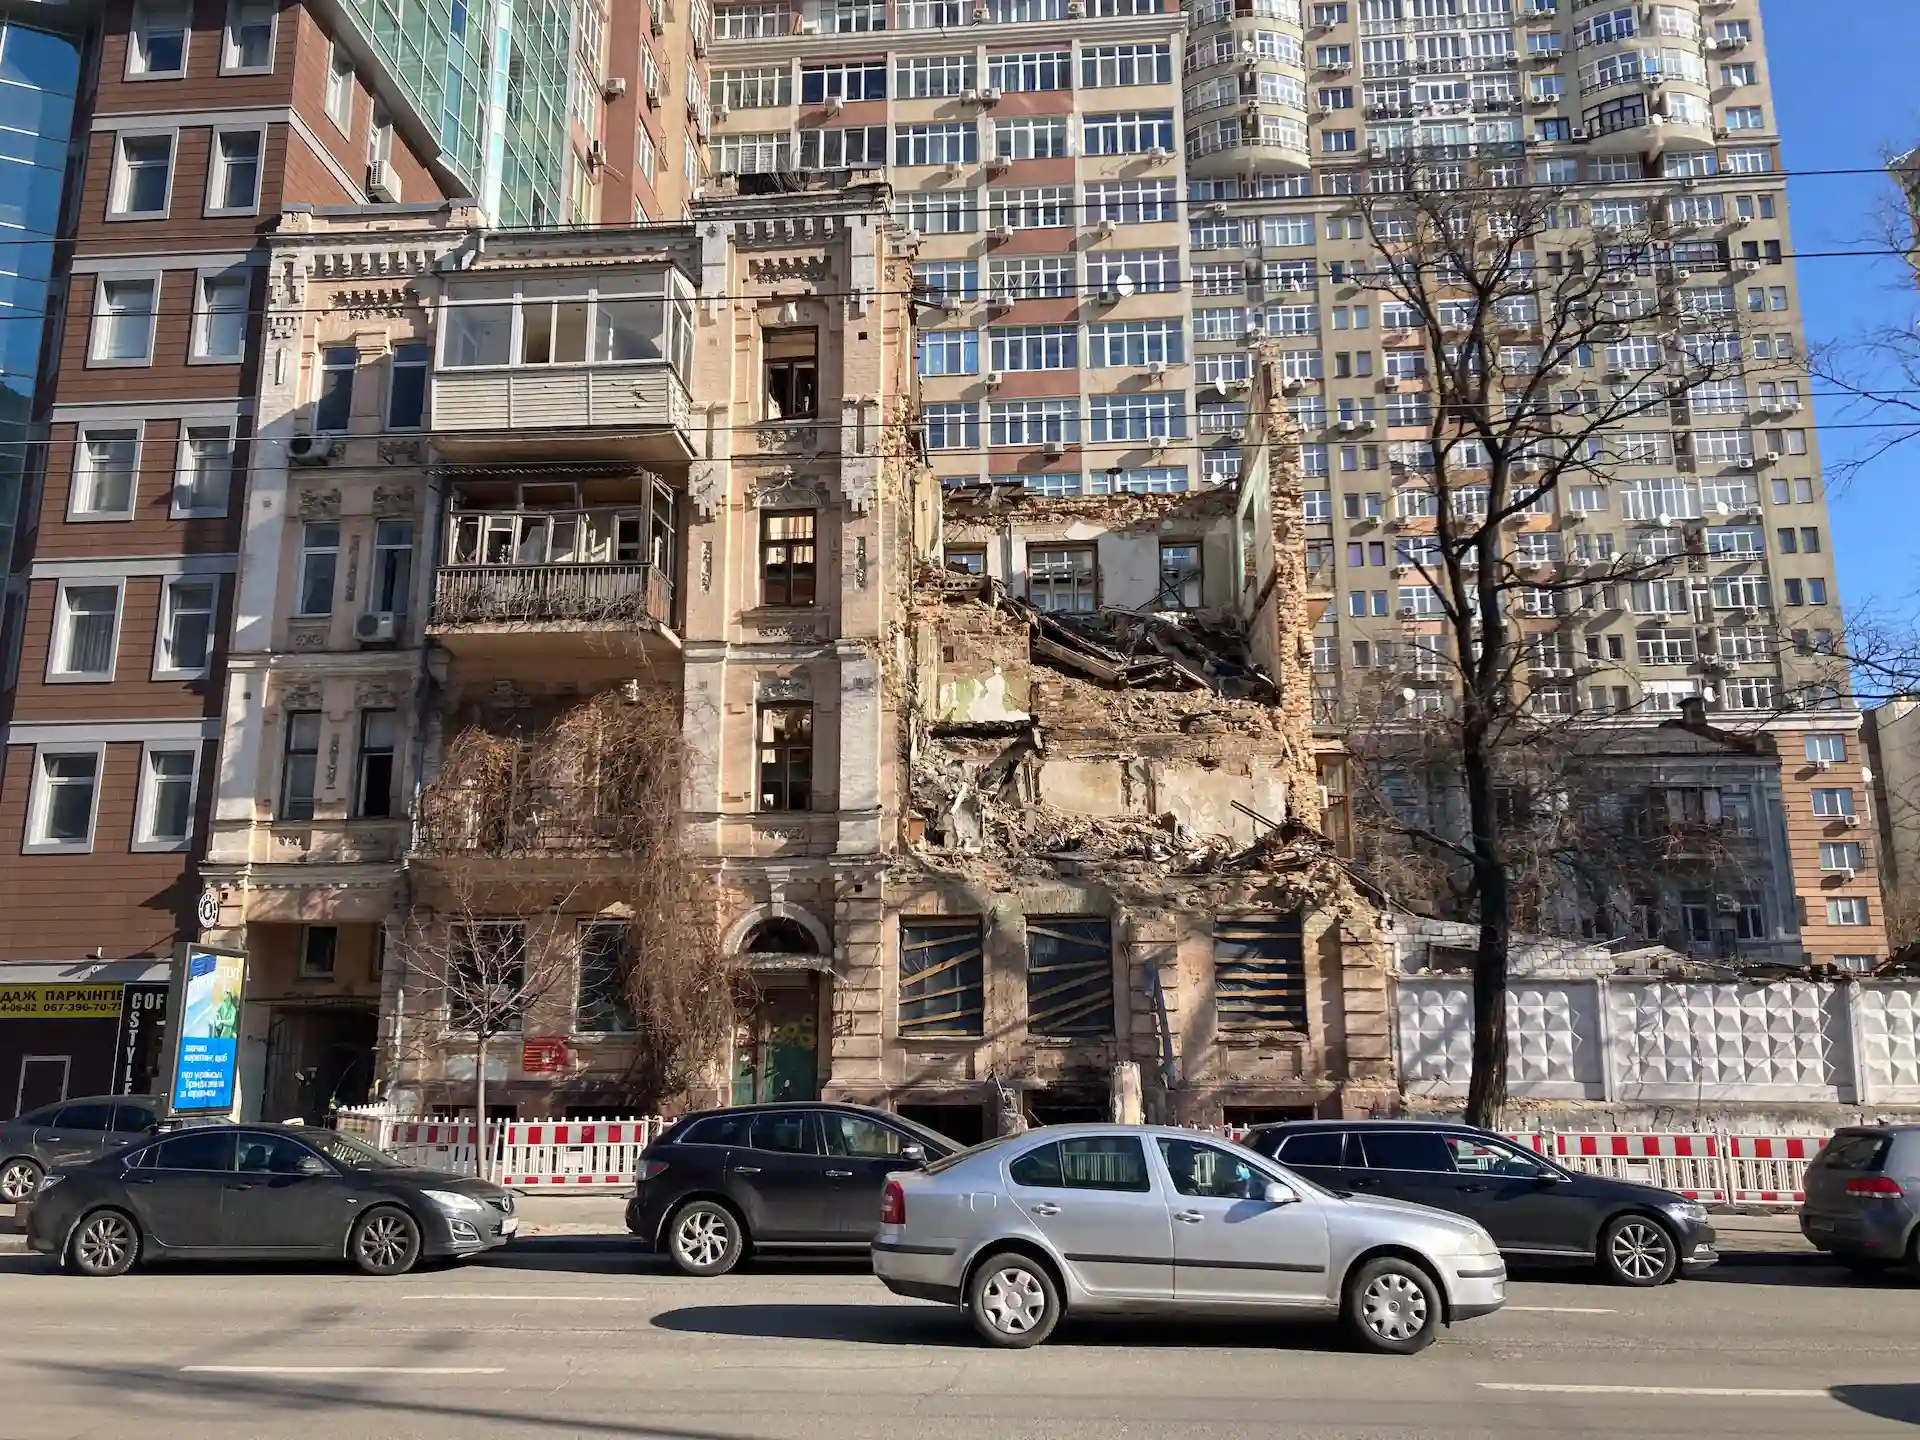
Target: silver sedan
[(1121, 1219)]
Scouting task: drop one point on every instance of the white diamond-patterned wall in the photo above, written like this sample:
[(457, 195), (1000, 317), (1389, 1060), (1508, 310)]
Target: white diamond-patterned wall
[(1679, 1041), (1889, 1043), (1551, 1038)]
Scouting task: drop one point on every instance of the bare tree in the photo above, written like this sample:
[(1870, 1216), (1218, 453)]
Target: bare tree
[(1502, 333), (485, 978)]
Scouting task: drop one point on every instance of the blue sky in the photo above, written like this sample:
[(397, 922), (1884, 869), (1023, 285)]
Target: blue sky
[(1844, 94)]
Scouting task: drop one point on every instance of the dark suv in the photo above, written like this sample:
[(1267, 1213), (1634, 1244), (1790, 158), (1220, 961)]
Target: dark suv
[(1536, 1212), (69, 1133), (721, 1183)]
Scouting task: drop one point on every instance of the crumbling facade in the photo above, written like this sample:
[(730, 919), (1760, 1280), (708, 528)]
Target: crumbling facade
[(1112, 852)]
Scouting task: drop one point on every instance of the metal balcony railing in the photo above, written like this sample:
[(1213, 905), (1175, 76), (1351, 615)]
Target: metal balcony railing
[(603, 594)]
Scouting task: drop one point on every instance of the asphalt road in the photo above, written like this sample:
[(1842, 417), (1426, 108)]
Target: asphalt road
[(550, 1343)]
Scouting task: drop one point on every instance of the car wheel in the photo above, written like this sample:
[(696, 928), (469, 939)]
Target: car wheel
[(104, 1243), (1638, 1250), (384, 1242), (705, 1238), (1013, 1301), (18, 1180), (1392, 1306)]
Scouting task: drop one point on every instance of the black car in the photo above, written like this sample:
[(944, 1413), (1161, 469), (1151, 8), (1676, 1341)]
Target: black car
[(721, 1183), (1537, 1212), (268, 1192), (69, 1133)]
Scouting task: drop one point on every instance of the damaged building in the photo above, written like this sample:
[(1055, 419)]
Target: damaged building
[(1114, 866)]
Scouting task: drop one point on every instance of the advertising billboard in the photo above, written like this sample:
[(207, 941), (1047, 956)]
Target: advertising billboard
[(207, 1051)]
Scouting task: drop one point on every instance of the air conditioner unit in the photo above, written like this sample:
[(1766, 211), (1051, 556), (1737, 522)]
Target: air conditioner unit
[(1110, 296), (1000, 299), (1054, 449), (969, 97), (1160, 154), (1000, 234), (1747, 267), (596, 154), (950, 307), (382, 183), (807, 27), (1845, 872), (315, 449), (1238, 387), (1156, 368), (979, 14), (376, 627), (1106, 229), (1745, 462), (1294, 387), (835, 104), (995, 379), (998, 164), (1772, 457), (614, 88), (1823, 764), (1726, 904), (653, 92), (1347, 427), (1850, 822), (990, 95), (1075, 9), (1229, 437)]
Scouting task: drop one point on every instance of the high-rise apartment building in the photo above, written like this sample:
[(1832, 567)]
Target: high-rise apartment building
[(1098, 299)]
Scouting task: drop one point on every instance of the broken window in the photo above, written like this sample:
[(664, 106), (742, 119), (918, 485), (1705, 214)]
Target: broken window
[(971, 559), (792, 373), (786, 757), (787, 558), (603, 1005), (942, 989), (1064, 579), (1259, 973), (1069, 975), (1179, 576)]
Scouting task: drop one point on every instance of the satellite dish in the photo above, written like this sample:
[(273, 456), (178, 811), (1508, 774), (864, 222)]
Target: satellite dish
[(1124, 286)]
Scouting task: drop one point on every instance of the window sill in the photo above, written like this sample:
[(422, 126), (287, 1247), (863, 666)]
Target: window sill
[(174, 512), (57, 847), (1258, 1039), (171, 675), (115, 216), (144, 363), (224, 212), (217, 359), (63, 679), (226, 70), (98, 517), (140, 77), (160, 847)]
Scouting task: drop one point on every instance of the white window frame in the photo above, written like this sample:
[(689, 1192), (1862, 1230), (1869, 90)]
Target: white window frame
[(229, 51), (58, 640), (163, 669), (97, 322), (341, 88), (82, 472), (217, 170), (183, 468), (136, 29), (120, 178), (197, 353), (33, 841), (144, 841)]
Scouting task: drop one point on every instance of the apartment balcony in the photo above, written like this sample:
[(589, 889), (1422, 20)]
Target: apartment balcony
[(568, 368), (538, 587), (523, 824)]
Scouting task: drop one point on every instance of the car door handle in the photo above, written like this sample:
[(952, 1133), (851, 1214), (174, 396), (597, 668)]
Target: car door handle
[(1189, 1217), (746, 1169), (241, 1185), (839, 1174), (139, 1179), (1474, 1189), (119, 1142), (1362, 1182), (1046, 1208)]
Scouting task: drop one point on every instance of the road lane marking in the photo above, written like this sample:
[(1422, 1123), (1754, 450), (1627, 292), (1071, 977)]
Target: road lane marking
[(1557, 1310), (343, 1369), (1710, 1392), (542, 1299)]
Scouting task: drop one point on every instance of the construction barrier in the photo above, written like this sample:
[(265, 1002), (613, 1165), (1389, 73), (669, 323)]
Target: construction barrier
[(572, 1154), (1688, 1164), (1713, 1167)]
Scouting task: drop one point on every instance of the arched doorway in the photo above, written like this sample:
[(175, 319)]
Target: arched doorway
[(777, 1047)]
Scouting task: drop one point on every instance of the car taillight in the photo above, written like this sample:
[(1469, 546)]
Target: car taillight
[(893, 1204), (1875, 1186), (649, 1170)]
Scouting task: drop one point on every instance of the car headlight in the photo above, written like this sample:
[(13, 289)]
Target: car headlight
[(48, 1181), (1478, 1242), (454, 1204), (1689, 1210)]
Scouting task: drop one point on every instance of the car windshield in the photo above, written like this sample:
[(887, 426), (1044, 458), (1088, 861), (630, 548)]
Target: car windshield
[(349, 1153)]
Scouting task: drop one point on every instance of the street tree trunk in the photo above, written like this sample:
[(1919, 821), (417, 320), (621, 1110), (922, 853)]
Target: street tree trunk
[(1487, 1089)]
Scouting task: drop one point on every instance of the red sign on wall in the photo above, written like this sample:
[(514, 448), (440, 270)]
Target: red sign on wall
[(546, 1055)]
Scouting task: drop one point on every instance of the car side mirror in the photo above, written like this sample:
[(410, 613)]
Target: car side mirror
[(313, 1165), (1278, 1194), (914, 1154), (1549, 1177)]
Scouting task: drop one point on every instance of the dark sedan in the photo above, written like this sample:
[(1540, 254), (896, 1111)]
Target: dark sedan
[(69, 1133), (722, 1183), (1536, 1212), (266, 1192)]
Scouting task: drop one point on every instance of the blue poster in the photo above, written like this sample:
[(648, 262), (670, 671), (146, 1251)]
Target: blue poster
[(203, 1071)]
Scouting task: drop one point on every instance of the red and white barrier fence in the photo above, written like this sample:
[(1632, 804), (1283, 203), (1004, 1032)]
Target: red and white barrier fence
[(1713, 1167)]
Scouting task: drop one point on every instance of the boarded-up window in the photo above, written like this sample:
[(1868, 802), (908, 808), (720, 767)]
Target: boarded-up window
[(1069, 975), (941, 990), (1259, 973)]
